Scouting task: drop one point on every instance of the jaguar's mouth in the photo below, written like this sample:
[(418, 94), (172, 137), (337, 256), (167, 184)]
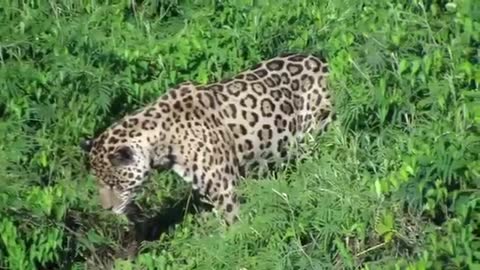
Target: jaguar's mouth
[(123, 208), (118, 211)]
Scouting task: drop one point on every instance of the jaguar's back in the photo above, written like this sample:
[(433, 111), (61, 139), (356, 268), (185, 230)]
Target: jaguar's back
[(273, 104)]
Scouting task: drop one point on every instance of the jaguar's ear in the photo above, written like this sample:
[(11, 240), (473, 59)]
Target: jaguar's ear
[(122, 156), (86, 144)]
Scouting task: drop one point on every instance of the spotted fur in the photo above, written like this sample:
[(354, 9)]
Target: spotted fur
[(211, 134)]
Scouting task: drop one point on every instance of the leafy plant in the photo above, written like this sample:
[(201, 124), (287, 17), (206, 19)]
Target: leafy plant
[(394, 183)]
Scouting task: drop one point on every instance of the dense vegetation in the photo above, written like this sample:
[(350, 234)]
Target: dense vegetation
[(394, 183)]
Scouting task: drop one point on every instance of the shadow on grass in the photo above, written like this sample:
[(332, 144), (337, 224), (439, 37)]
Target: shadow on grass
[(143, 229), (150, 228)]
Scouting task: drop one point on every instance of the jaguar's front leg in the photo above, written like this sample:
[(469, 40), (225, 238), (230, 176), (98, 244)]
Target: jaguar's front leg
[(227, 203), (214, 173)]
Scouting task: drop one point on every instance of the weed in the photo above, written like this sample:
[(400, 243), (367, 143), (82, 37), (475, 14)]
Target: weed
[(394, 183)]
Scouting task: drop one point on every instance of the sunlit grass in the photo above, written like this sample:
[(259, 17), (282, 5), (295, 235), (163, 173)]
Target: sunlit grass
[(393, 183)]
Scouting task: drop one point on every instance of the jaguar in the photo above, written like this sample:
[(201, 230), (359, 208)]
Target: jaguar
[(212, 135)]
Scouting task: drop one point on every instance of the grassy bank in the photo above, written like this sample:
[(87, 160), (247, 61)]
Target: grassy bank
[(394, 183)]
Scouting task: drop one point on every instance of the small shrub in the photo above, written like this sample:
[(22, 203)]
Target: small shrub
[(393, 184)]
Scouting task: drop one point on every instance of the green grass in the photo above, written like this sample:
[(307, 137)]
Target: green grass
[(394, 184)]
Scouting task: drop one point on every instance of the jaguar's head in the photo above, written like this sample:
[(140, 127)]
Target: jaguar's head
[(120, 166)]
